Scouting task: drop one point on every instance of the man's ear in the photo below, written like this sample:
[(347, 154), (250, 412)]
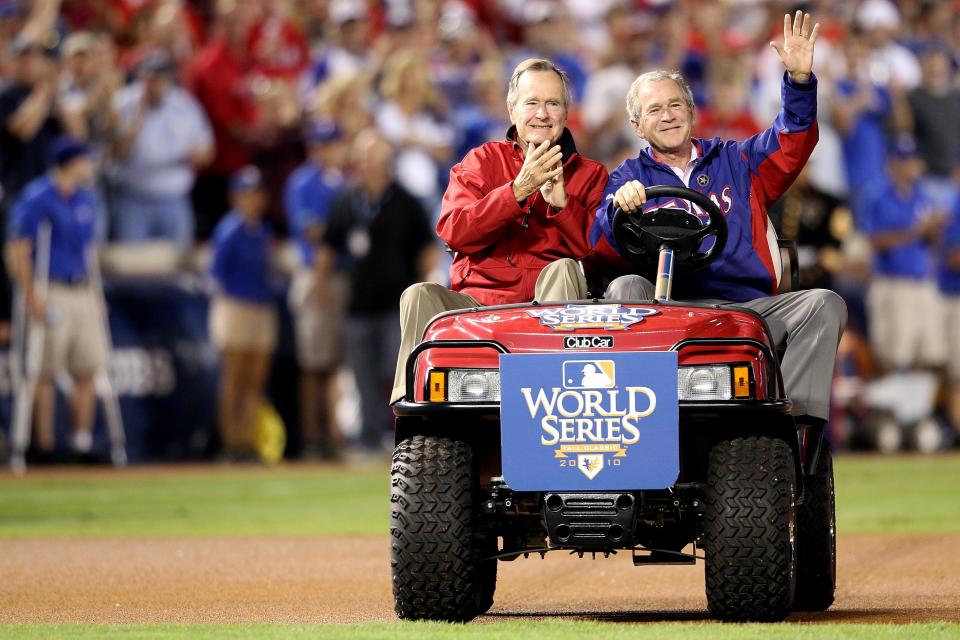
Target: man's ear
[(636, 128), (510, 114)]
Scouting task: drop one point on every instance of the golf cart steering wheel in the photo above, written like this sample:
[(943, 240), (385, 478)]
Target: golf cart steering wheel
[(640, 236)]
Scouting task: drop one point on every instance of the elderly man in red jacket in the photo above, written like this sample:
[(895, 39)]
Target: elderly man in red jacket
[(517, 213)]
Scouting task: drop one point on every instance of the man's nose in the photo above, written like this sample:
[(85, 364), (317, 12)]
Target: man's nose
[(542, 111)]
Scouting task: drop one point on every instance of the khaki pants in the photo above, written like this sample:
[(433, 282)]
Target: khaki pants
[(906, 322), (75, 339), (420, 303)]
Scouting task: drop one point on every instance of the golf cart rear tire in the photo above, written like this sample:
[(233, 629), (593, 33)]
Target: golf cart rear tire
[(817, 540), (436, 552), (750, 530)]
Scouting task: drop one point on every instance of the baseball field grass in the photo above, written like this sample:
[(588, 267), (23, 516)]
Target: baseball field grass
[(897, 494), (876, 495)]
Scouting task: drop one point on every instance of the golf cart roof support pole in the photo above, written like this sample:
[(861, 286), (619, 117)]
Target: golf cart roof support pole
[(664, 274)]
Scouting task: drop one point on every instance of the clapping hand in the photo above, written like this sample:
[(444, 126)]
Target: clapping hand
[(541, 164)]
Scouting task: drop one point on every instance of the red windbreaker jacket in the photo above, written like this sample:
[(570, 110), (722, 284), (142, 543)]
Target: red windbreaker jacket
[(501, 246)]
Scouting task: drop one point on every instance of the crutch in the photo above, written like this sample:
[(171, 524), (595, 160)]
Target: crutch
[(102, 382), (32, 332)]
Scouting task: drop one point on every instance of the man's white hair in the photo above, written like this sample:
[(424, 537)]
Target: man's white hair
[(536, 64), (635, 109)]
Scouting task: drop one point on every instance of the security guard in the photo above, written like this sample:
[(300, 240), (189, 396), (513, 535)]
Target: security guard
[(74, 339)]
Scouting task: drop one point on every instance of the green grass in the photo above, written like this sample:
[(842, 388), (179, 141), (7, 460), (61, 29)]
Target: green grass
[(903, 494), (172, 501), (552, 629)]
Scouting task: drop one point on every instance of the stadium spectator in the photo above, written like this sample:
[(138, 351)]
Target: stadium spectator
[(243, 320), (630, 49), (31, 116), (221, 80), (318, 322), (863, 111), (727, 114), (949, 280), (903, 305), (517, 212), (62, 205), (347, 50), (485, 119), (344, 99), (933, 103), (164, 138), (889, 61), (544, 22), (383, 234), (87, 89), (411, 117), (277, 46)]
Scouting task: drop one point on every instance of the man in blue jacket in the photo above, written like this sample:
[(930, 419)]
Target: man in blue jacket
[(743, 178)]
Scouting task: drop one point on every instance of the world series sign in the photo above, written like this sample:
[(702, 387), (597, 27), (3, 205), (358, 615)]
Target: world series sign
[(589, 422)]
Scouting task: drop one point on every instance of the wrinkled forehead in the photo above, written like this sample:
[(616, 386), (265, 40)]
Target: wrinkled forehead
[(543, 85), (660, 92)]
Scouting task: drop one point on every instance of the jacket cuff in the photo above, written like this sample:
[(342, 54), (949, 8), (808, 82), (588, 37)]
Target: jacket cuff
[(809, 85)]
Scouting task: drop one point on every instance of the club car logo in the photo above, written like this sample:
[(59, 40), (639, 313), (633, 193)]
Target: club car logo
[(588, 421), (611, 317)]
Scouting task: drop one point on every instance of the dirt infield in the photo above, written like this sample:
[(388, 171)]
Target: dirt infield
[(317, 580)]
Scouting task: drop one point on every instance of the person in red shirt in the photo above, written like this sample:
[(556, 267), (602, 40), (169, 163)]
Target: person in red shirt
[(221, 82), (516, 212)]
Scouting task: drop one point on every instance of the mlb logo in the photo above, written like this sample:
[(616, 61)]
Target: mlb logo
[(589, 374)]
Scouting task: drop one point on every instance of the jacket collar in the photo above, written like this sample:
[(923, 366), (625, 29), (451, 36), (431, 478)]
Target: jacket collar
[(567, 145), (705, 147)]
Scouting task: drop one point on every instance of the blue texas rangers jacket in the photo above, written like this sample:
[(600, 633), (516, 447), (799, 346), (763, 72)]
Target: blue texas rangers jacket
[(743, 178)]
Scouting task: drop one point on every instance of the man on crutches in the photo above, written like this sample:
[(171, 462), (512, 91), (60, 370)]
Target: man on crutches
[(52, 227)]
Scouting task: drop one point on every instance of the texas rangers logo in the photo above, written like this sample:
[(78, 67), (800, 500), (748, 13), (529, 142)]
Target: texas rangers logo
[(612, 317)]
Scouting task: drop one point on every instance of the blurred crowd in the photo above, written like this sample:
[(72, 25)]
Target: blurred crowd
[(321, 106)]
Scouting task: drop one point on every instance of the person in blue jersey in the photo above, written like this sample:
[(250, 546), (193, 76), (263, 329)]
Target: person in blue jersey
[(62, 201), (243, 320), (904, 314), (949, 277), (318, 320), (744, 178)]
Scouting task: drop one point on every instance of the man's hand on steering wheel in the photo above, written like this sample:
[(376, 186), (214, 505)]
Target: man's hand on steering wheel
[(630, 197)]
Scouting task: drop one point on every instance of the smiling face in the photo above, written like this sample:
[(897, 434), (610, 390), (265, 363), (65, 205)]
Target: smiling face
[(666, 120), (539, 113)]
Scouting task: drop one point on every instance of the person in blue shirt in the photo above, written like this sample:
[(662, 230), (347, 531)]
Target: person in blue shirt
[(318, 320), (743, 178), (904, 314), (243, 320), (59, 209), (949, 277)]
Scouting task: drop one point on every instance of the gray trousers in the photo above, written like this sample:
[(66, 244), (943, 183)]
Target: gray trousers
[(560, 280), (809, 323), (371, 343)]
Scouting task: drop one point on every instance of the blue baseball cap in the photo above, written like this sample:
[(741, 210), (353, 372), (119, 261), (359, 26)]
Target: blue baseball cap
[(65, 149), (323, 131), (903, 146), (246, 179)]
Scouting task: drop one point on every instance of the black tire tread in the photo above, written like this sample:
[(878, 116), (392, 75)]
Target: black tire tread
[(816, 545), (749, 558), (435, 558)]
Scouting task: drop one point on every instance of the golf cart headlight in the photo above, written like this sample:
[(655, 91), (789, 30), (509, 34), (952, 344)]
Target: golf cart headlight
[(473, 385), (704, 383)]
